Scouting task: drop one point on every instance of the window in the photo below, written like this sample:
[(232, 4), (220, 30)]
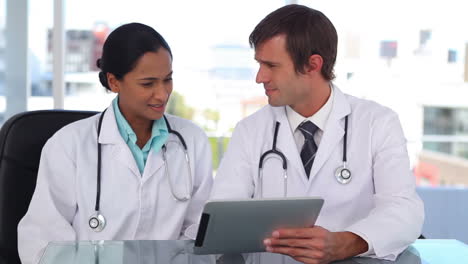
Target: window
[(413, 65), (421, 74), (2, 60), (446, 130)]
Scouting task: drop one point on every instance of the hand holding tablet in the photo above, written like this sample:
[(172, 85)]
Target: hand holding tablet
[(240, 226)]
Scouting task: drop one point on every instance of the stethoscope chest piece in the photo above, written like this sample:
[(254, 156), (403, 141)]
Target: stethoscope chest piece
[(97, 222), (343, 175)]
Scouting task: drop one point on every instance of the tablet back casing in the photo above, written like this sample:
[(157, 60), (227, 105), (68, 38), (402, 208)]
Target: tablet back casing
[(240, 226)]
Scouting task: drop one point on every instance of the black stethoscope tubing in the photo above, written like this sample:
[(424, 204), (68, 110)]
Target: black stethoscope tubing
[(273, 150), (100, 220), (345, 139), (342, 178)]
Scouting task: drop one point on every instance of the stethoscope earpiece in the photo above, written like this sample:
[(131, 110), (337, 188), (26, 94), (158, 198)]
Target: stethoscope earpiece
[(97, 222)]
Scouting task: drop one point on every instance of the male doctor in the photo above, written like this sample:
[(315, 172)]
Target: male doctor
[(371, 208)]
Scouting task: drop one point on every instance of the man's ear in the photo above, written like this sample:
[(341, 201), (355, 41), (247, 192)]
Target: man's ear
[(114, 84), (315, 64)]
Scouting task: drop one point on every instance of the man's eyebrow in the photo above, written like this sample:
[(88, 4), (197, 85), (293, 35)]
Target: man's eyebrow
[(267, 62)]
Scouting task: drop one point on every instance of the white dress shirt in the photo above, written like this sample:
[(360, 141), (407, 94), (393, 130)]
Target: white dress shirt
[(319, 119)]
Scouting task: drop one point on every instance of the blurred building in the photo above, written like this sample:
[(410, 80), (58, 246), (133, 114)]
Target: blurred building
[(83, 48), (232, 80), (420, 75)]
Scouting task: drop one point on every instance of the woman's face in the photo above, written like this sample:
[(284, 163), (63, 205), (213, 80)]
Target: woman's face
[(144, 92)]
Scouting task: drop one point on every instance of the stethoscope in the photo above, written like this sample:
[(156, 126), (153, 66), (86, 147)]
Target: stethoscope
[(97, 221), (342, 173)]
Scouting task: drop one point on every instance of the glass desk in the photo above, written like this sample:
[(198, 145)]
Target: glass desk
[(426, 251)]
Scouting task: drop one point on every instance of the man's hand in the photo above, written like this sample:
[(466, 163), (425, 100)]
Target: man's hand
[(315, 245)]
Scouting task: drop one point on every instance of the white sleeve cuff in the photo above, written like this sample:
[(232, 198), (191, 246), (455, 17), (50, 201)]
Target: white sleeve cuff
[(370, 248), (190, 232), (370, 253)]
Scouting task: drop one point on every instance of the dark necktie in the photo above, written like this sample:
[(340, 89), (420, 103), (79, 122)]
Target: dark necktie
[(309, 149)]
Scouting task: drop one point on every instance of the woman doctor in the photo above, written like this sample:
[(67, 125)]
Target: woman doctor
[(144, 187)]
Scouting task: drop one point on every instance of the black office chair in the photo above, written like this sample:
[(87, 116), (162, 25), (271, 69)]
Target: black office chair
[(21, 140)]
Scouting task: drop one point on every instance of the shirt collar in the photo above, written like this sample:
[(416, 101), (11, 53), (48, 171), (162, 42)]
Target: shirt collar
[(126, 131), (319, 118)]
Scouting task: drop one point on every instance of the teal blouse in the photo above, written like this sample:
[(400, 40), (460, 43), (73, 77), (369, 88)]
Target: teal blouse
[(159, 136)]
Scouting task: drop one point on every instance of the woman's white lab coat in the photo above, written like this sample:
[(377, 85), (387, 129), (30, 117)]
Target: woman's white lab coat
[(379, 203), (135, 206)]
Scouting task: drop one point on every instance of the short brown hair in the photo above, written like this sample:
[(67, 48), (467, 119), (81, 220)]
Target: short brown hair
[(308, 32)]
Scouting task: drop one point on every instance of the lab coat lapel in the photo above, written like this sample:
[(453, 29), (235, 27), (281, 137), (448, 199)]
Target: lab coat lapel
[(154, 162), (287, 145), (333, 133), (110, 138)]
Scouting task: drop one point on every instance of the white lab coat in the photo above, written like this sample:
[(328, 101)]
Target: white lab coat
[(136, 206), (379, 203)]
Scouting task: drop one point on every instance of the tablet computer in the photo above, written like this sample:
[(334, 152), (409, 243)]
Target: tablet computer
[(240, 226)]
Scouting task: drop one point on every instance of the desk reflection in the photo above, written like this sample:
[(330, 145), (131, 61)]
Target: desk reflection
[(124, 252), (176, 252), (409, 256)]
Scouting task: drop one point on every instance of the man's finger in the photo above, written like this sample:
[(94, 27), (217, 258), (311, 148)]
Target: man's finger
[(294, 233), (290, 251), (318, 244)]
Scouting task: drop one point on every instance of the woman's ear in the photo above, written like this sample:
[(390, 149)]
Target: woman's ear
[(114, 84)]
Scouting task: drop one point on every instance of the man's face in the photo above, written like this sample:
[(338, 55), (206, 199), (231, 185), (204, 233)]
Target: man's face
[(282, 84)]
